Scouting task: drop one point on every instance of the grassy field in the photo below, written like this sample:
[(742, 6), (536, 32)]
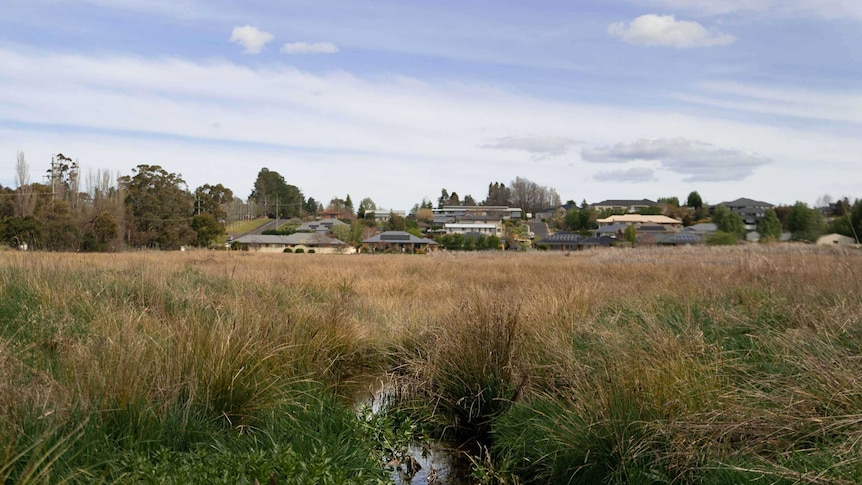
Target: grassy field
[(676, 365)]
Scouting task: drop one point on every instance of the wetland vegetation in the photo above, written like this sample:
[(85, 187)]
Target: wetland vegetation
[(674, 365)]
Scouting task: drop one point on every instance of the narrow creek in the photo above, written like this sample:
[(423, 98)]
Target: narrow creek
[(434, 463)]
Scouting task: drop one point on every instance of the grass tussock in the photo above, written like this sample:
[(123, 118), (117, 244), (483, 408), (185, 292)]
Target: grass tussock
[(682, 365)]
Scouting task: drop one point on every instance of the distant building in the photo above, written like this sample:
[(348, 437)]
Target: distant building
[(301, 240), (836, 240), (398, 242), (752, 211), (623, 205), (322, 226), (638, 219)]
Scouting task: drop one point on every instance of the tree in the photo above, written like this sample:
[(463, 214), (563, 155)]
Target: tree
[(365, 205), (425, 215), (61, 231), (16, 231), (669, 201), (273, 194), (105, 230), (207, 229), (311, 206), (769, 227), (631, 234), (469, 201), (728, 221), (444, 198), (25, 201), (652, 210), (395, 223), (158, 208), (694, 200), (213, 199), (531, 197), (804, 223), (498, 195)]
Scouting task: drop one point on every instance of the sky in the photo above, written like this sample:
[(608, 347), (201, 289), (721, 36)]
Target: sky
[(396, 100)]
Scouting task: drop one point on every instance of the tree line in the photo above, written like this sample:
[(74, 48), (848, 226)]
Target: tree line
[(154, 208)]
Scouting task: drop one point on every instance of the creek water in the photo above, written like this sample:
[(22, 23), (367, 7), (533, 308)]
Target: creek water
[(436, 463)]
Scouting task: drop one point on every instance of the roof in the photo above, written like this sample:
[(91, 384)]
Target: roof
[(599, 241), (655, 228), (702, 227), (303, 238), (624, 202), (321, 225), (397, 237), (613, 228), (468, 225), (682, 238), (563, 237), (744, 202), (639, 219)]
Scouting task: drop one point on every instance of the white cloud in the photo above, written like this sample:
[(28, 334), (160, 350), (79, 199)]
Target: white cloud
[(117, 111), (634, 175), (823, 8), (251, 38), (665, 30), (309, 48), (798, 103), (697, 160), (536, 145)]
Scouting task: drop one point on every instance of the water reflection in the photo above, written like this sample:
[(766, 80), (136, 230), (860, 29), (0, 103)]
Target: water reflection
[(436, 463)]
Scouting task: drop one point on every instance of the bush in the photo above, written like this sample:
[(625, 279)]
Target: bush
[(722, 239), (311, 251), (288, 250), (299, 250)]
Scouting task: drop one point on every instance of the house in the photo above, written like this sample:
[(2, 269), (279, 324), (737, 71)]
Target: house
[(638, 219), (307, 242), (752, 211), (622, 205), (484, 229), (836, 240), (398, 242), (382, 215), (614, 230), (322, 226), (562, 241), (473, 212)]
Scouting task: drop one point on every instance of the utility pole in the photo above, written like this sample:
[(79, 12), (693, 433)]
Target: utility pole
[(276, 212)]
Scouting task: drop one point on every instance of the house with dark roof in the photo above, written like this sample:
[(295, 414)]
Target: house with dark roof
[(683, 239), (398, 242), (752, 211), (623, 205), (322, 226), (562, 241)]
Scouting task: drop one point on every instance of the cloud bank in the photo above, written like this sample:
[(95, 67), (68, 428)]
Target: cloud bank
[(699, 161), (535, 145), (632, 175), (665, 30), (309, 48), (251, 38)]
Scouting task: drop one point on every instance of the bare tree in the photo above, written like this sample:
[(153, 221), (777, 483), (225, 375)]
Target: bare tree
[(531, 197), (25, 200)]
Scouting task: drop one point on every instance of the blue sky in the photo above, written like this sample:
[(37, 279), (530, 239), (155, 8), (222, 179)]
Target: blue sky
[(395, 100)]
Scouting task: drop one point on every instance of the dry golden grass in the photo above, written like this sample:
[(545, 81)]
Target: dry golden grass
[(717, 353)]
